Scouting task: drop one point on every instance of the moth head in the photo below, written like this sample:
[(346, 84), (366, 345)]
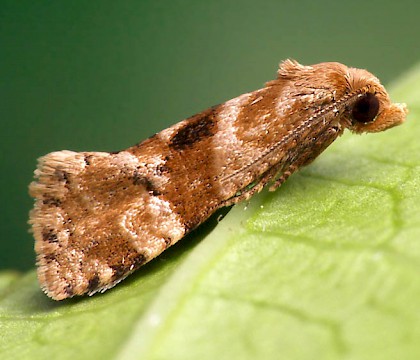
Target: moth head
[(357, 98), (369, 108)]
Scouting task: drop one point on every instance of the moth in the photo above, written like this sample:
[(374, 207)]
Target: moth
[(99, 216)]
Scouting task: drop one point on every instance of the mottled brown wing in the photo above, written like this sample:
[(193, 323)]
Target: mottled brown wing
[(95, 221), (99, 216)]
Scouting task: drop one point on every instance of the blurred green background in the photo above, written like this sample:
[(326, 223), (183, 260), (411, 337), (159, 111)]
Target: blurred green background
[(102, 75)]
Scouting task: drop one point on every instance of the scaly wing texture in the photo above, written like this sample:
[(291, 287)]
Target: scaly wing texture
[(91, 231)]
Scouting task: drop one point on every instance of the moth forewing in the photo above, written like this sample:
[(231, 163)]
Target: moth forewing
[(99, 216)]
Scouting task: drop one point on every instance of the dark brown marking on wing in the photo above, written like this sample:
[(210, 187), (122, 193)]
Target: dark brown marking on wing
[(51, 201), (196, 129), (139, 179), (62, 175), (138, 260), (50, 258), (87, 159), (69, 290), (50, 236), (162, 169), (93, 283), (168, 242), (119, 270), (132, 262)]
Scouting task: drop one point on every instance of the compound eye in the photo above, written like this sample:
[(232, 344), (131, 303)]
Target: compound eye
[(365, 108)]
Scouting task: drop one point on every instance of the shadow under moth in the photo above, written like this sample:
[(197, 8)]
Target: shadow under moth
[(99, 216)]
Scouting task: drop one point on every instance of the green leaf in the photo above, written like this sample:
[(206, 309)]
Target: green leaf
[(326, 267)]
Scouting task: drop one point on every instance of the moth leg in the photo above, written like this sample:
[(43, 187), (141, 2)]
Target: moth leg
[(267, 176), (262, 182), (283, 178)]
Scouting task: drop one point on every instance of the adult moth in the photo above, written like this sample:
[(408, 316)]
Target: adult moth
[(99, 216)]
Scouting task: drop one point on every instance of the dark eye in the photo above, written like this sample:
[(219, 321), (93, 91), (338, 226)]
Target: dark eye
[(366, 108)]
